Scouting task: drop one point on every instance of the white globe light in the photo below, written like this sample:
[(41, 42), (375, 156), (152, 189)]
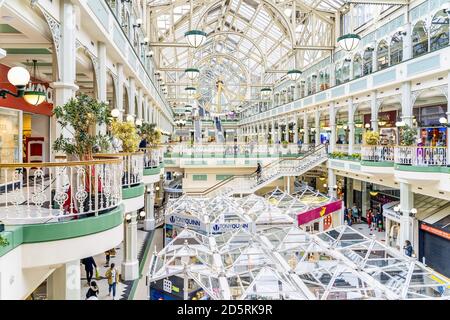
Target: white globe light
[(128, 217), (142, 214), (130, 118), (138, 122), (34, 98), (18, 76), (115, 113), (443, 120), (349, 42), (195, 38)]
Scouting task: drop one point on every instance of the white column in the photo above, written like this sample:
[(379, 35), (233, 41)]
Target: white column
[(140, 96), (448, 122), (407, 40), (306, 129), (279, 131), (406, 222), (65, 282), (317, 125), (286, 128), (407, 108), (64, 87), (374, 111), (130, 265), (149, 222), (332, 114), (351, 127), (102, 86), (295, 129), (120, 90)]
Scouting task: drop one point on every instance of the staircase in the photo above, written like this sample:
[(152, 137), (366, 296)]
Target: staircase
[(246, 184)]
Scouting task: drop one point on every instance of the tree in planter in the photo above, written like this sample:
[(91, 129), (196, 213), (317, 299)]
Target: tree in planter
[(3, 242), (81, 114), (284, 144), (126, 132), (151, 133), (408, 136)]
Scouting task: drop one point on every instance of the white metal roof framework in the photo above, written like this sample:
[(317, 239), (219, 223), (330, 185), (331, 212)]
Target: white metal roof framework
[(288, 263), (260, 34)]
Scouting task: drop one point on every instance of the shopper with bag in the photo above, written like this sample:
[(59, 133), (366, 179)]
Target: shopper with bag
[(93, 291), (112, 274), (89, 265)]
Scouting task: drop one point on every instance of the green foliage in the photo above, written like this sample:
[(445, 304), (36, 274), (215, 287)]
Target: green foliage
[(81, 115), (284, 144), (338, 154), (127, 133), (3, 242), (356, 156), (372, 138), (408, 136), (270, 142), (151, 133)]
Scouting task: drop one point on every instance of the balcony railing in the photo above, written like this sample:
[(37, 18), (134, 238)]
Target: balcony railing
[(377, 153), (421, 156), (49, 192), (153, 157), (132, 167)]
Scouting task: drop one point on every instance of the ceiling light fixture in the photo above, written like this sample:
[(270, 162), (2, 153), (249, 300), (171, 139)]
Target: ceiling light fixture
[(195, 38), (192, 73)]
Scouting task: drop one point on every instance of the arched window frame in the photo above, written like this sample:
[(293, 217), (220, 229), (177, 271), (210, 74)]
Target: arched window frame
[(382, 55), (357, 66), (367, 61), (420, 45), (396, 49), (439, 31)]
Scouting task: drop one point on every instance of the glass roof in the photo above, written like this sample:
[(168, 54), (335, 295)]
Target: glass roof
[(254, 35), (288, 263)]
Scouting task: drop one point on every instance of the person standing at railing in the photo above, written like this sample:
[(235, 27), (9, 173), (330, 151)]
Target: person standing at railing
[(143, 143), (299, 145)]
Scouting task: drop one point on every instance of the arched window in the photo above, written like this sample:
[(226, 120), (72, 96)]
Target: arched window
[(346, 70), (419, 39), (309, 85), (367, 61), (338, 71), (382, 55), (357, 66), (396, 49), (439, 31)]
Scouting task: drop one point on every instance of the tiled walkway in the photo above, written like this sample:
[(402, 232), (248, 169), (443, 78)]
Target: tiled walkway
[(364, 229), (123, 289)]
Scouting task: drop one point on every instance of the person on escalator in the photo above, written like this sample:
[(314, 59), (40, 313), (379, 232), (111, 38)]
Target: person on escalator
[(258, 171)]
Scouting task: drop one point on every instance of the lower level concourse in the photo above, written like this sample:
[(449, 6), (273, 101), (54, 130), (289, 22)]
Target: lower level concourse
[(224, 150)]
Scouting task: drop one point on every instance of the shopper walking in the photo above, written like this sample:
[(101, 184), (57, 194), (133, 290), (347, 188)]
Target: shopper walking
[(112, 274), (408, 248), (89, 265), (93, 291), (355, 213), (258, 171), (369, 218)]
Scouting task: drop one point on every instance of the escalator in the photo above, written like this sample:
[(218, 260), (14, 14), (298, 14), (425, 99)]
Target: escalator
[(219, 130)]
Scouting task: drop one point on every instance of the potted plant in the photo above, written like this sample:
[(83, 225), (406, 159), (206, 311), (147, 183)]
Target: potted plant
[(3, 241), (408, 136), (127, 133), (150, 133), (81, 115), (284, 144), (372, 138)]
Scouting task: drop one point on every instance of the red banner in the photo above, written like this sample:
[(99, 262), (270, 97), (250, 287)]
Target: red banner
[(316, 213), (438, 232)]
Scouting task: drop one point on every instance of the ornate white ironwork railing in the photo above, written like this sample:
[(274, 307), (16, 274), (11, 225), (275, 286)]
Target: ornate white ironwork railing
[(421, 156), (58, 191), (152, 156), (377, 153)]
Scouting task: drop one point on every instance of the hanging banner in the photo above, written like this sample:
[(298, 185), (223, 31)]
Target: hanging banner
[(316, 213)]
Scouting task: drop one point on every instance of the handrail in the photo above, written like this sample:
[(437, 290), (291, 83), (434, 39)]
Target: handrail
[(221, 183), (104, 160)]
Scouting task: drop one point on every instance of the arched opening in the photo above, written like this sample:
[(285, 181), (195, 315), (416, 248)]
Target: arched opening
[(382, 55), (396, 55), (111, 92), (85, 75), (324, 79), (419, 39), (429, 107), (367, 61), (346, 70), (357, 66), (439, 31), (389, 113), (313, 83)]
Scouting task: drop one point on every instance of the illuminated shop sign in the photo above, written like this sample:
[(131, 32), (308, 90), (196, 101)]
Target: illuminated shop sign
[(224, 227)]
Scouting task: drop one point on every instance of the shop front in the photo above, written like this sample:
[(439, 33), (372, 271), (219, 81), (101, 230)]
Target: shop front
[(431, 131), (386, 126), (320, 218), (24, 128), (434, 245)]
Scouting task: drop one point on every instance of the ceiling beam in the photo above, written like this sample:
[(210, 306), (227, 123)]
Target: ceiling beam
[(393, 2)]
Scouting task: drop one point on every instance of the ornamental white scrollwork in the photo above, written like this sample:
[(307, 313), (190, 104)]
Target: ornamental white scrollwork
[(39, 197)]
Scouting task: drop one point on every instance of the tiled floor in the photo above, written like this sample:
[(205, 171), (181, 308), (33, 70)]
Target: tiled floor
[(123, 289), (364, 229)]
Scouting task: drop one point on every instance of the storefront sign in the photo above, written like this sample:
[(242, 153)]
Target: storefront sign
[(316, 213), (438, 232), (185, 221), (224, 227)]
